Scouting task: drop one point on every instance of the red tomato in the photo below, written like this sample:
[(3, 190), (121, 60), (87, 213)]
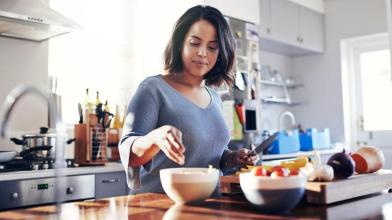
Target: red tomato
[(261, 171), (279, 171), (294, 172), (257, 171)]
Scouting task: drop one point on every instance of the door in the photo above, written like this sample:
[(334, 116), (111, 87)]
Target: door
[(367, 93), (374, 92)]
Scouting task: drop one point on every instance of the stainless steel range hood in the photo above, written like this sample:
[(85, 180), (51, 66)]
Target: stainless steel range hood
[(32, 20)]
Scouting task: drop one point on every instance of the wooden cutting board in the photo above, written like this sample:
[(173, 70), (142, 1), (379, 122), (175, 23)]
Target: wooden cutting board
[(330, 192)]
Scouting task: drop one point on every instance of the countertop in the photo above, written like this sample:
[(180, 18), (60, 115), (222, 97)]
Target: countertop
[(20, 175), (159, 206)]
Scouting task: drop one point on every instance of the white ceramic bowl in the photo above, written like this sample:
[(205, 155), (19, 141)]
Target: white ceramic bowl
[(185, 185), (273, 194)]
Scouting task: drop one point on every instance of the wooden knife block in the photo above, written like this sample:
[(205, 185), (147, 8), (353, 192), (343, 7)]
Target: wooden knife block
[(90, 145)]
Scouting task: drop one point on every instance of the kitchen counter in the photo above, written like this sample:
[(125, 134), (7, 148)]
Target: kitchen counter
[(20, 175), (159, 206)]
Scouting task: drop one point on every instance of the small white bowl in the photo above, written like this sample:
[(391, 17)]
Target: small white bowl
[(273, 194), (185, 185)]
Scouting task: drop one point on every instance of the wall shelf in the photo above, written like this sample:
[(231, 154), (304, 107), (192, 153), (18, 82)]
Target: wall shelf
[(284, 101), (281, 84)]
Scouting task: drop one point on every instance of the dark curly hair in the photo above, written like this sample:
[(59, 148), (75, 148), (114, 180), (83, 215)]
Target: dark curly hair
[(223, 69)]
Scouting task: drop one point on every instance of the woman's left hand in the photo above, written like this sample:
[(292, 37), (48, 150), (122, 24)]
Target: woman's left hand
[(243, 157)]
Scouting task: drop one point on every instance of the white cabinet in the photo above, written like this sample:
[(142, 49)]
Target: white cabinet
[(311, 29), (291, 29), (244, 10)]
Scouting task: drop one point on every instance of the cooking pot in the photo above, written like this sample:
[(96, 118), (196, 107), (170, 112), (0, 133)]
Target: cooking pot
[(44, 138)]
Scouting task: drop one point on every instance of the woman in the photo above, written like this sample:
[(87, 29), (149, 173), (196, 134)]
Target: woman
[(174, 119)]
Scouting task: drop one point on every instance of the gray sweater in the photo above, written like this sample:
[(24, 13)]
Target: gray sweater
[(156, 103)]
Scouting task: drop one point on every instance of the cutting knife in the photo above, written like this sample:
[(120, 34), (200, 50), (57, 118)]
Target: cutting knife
[(265, 144)]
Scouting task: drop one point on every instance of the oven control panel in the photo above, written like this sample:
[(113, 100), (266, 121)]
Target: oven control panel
[(20, 193)]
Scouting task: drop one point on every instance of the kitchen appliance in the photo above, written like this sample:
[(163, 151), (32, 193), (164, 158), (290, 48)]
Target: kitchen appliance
[(21, 193), (22, 164), (32, 20), (7, 155), (44, 143)]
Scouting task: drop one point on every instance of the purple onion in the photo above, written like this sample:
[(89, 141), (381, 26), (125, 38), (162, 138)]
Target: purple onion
[(342, 164)]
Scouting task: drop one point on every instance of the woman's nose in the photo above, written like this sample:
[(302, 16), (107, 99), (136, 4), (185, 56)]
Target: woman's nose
[(202, 52)]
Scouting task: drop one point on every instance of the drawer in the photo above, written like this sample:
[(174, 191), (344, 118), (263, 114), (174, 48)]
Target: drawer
[(110, 184)]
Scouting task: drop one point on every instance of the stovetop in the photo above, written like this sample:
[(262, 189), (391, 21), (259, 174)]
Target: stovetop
[(20, 164)]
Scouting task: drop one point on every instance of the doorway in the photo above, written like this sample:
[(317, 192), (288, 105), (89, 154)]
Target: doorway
[(367, 92)]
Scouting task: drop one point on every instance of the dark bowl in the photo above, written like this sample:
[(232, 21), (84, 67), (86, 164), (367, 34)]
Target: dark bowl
[(269, 194)]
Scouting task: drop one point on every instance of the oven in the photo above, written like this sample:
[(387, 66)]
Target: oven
[(31, 192)]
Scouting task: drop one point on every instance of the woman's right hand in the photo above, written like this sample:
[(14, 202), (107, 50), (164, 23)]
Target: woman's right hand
[(169, 140)]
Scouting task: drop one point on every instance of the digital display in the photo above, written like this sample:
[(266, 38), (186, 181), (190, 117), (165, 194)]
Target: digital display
[(42, 186)]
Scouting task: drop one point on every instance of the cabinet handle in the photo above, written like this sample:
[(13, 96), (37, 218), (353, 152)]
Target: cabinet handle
[(111, 181)]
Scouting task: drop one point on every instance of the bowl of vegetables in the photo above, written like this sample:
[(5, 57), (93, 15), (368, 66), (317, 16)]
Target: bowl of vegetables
[(273, 189)]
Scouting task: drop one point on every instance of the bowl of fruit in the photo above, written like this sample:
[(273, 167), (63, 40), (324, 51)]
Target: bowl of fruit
[(273, 189)]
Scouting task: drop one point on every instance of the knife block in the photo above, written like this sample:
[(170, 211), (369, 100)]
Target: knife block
[(90, 144)]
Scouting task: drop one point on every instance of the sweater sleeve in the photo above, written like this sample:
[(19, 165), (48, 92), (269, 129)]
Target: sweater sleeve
[(141, 118)]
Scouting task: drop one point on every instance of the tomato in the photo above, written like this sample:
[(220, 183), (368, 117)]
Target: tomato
[(261, 171), (257, 171), (279, 171), (294, 172)]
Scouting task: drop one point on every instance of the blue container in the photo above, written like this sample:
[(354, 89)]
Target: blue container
[(286, 142), (313, 139)]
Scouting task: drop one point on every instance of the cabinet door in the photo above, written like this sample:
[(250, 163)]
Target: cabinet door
[(284, 21), (110, 184), (311, 28), (245, 10), (265, 17)]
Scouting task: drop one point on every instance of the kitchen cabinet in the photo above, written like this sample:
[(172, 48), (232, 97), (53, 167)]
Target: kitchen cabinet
[(290, 29), (247, 11), (110, 184)]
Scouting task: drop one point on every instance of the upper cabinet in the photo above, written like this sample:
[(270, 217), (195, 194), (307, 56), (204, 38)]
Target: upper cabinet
[(244, 10), (290, 29)]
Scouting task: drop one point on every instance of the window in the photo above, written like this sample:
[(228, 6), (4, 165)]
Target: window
[(121, 43)]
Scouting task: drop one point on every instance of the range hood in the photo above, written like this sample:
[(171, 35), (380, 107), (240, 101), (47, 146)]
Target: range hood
[(32, 20)]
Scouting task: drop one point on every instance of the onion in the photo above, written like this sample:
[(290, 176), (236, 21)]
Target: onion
[(368, 159), (342, 164)]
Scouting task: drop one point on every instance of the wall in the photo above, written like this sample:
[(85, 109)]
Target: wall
[(23, 62), (270, 112), (321, 73)]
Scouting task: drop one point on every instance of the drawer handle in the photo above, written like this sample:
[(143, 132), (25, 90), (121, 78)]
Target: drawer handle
[(111, 181)]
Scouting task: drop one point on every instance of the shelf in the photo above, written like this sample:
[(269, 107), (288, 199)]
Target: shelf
[(281, 84), (284, 101)]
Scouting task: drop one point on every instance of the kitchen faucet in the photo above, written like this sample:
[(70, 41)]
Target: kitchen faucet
[(13, 97)]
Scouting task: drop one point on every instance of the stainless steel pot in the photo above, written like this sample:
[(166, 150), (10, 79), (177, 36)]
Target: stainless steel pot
[(30, 141)]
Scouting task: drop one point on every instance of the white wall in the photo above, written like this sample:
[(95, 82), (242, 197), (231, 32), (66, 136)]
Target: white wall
[(23, 62), (270, 112), (321, 73)]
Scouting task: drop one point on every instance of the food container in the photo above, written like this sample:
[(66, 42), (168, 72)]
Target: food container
[(279, 194), (186, 185)]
